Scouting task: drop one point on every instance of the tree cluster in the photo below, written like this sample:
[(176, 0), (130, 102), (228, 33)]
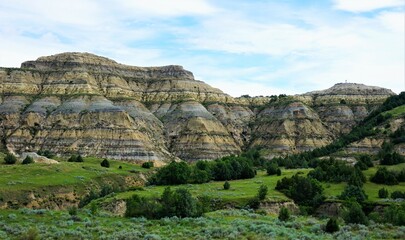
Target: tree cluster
[(385, 176), (388, 156), (337, 171), (178, 203), (226, 168), (76, 158), (305, 191)]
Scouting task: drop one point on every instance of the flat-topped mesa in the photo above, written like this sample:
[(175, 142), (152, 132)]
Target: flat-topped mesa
[(75, 61), (352, 89)]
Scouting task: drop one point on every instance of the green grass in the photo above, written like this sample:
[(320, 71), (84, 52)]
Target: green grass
[(396, 112), (242, 190), (239, 193), (26, 177), (224, 224)]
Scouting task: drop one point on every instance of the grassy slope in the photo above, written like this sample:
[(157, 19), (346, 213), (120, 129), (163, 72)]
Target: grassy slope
[(242, 190), (225, 224), (25, 177)]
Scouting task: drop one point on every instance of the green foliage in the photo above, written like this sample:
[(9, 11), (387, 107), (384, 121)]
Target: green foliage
[(171, 174), (262, 192), (355, 214), (383, 193), (227, 185), (398, 194), (383, 176), (199, 176), (72, 211), (352, 192), (398, 136), (31, 234), (142, 207), (105, 163), (28, 160), (395, 214), (335, 171), (332, 225), (223, 169), (10, 159), (76, 158), (273, 169), (364, 162), (179, 203), (147, 165), (284, 214), (388, 156), (46, 153), (305, 191)]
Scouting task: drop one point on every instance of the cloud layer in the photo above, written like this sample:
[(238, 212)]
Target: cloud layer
[(254, 47)]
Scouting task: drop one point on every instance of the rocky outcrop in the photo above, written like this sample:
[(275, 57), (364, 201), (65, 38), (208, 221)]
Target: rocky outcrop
[(82, 103), (289, 128)]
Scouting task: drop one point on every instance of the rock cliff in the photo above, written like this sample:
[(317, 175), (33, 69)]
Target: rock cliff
[(82, 103)]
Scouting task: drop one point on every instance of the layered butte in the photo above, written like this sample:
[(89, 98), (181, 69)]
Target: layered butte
[(73, 103)]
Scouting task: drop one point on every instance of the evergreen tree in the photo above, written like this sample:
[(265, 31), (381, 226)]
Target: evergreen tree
[(28, 160), (10, 159), (354, 214), (284, 214), (105, 163), (227, 185), (332, 225)]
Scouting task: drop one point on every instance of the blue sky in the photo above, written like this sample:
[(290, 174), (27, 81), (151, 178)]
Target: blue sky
[(242, 47)]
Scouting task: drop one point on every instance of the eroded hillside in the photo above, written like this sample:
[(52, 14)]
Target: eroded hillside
[(83, 103)]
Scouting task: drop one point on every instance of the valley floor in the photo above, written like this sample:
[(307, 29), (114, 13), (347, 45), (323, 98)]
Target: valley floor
[(224, 224)]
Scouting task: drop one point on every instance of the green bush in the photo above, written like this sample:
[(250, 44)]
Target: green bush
[(72, 211), (227, 185), (353, 192), (284, 214), (76, 158), (28, 160), (397, 194), (303, 190), (383, 176), (332, 225), (383, 193), (147, 164), (105, 163), (262, 193), (272, 169), (354, 214), (10, 159)]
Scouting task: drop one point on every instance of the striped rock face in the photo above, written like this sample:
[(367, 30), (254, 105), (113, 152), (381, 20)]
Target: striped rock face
[(73, 103)]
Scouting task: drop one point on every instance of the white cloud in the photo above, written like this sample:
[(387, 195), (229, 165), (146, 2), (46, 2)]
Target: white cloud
[(164, 8), (366, 5)]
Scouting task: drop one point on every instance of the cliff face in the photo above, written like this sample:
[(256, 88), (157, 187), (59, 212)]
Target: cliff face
[(82, 103)]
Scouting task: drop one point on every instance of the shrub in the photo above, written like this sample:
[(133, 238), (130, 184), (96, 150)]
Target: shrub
[(397, 194), (105, 163), (227, 185), (10, 159), (383, 193), (253, 203), (278, 172), (171, 174), (79, 159), (332, 225), (383, 176), (272, 169), (147, 164), (28, 160), (284, 214), (303, 190), (261, 194), (72, 211), (353, 192), (354, 214)]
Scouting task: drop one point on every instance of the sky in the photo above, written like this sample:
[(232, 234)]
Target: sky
[(253, 47)]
